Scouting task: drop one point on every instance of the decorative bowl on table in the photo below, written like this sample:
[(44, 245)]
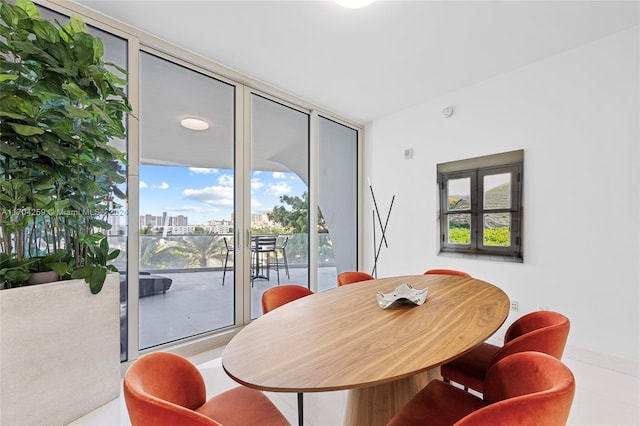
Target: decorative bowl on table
[(403, 293)]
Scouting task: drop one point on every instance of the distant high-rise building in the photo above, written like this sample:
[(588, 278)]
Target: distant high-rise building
[(154, 222)]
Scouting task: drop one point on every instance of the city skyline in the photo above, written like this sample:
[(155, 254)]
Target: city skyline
[(207, 194)]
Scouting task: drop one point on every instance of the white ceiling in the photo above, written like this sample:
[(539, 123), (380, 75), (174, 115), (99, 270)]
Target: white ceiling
[(367, 63)]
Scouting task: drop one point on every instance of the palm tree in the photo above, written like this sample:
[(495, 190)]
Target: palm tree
[(200, 247)]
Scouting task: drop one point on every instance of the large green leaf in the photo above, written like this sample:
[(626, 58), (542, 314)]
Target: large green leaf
[(17, 276), (61, 205), (82, 273), (116, 66), (25, 130), (59, 268), (113, 254), (11, 151), (75, 90), (53, 150), (42, 201), (13, 115), (98, 275), (12, 15), (98, 49), (44, 30), (26, 105), (76, 112), (29, 7), (8, 77), (26, 48), (77, 24)]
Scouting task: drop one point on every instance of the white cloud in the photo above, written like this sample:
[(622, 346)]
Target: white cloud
[(143, 184), (163, 185), (212, 195), (278, 189), (225, 180), (256, 184), (202, 171), (279, 175), (190, 209)]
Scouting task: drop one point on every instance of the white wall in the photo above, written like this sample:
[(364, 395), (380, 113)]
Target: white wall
[(576, 116)]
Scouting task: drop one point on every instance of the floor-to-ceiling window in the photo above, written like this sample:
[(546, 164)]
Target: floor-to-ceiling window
[(186, 187), (191, 271), (279, 197), (337, 201)]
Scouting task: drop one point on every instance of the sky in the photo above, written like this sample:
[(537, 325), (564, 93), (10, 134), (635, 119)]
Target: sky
[(207, 194)]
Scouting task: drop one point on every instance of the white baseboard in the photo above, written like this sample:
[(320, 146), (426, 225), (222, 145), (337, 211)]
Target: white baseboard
[(626, 366)]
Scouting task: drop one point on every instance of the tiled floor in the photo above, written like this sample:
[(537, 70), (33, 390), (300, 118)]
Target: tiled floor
[(603, 397)]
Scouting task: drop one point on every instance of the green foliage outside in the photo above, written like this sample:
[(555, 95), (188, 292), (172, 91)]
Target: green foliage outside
[(492, 237), (293, 214), (497, 237), (203, 249), (460, 235)]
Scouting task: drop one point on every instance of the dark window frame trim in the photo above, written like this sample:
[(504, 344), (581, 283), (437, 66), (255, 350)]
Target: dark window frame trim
[(476, 168)]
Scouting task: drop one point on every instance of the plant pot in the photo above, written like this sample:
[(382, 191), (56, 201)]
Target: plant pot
[(60, 351), (43, 277)]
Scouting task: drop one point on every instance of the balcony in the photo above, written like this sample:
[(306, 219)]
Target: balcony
[(196, 301)]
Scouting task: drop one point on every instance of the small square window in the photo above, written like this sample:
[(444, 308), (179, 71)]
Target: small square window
[(481, 205)]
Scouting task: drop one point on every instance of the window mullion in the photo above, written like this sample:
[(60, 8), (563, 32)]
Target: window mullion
[(476, 211)]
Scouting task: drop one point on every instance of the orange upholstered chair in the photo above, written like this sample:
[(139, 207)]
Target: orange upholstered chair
[(447, 272), (524, 389), (541, 331), (163, 389), (353, 277), (278, 296)]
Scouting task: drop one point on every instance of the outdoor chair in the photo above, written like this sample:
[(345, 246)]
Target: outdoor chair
[(230, 251)]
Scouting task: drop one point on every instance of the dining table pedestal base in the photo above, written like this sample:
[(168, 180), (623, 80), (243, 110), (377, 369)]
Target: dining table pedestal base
[(376, 405)]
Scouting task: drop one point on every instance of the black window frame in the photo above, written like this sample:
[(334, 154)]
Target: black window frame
[(476, 169)]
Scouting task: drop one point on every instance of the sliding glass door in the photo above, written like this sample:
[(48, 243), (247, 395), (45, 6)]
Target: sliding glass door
[(186, 185), (279, 197), (337, 201)]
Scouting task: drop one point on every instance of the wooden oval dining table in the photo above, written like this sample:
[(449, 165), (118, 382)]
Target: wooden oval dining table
[(340, 339)]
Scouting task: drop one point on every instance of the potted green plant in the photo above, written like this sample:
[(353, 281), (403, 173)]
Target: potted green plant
[(14, 271), (60, 104), (50, 268)]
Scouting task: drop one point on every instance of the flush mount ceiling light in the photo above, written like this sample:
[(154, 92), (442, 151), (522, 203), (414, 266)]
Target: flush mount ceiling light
[(194, 124), (354, 4)]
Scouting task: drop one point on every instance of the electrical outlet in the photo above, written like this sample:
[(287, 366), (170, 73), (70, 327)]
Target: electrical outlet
[(515, 306)]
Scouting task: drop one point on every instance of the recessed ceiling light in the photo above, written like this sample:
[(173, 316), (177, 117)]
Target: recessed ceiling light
[(194, 124), (354, 4)]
